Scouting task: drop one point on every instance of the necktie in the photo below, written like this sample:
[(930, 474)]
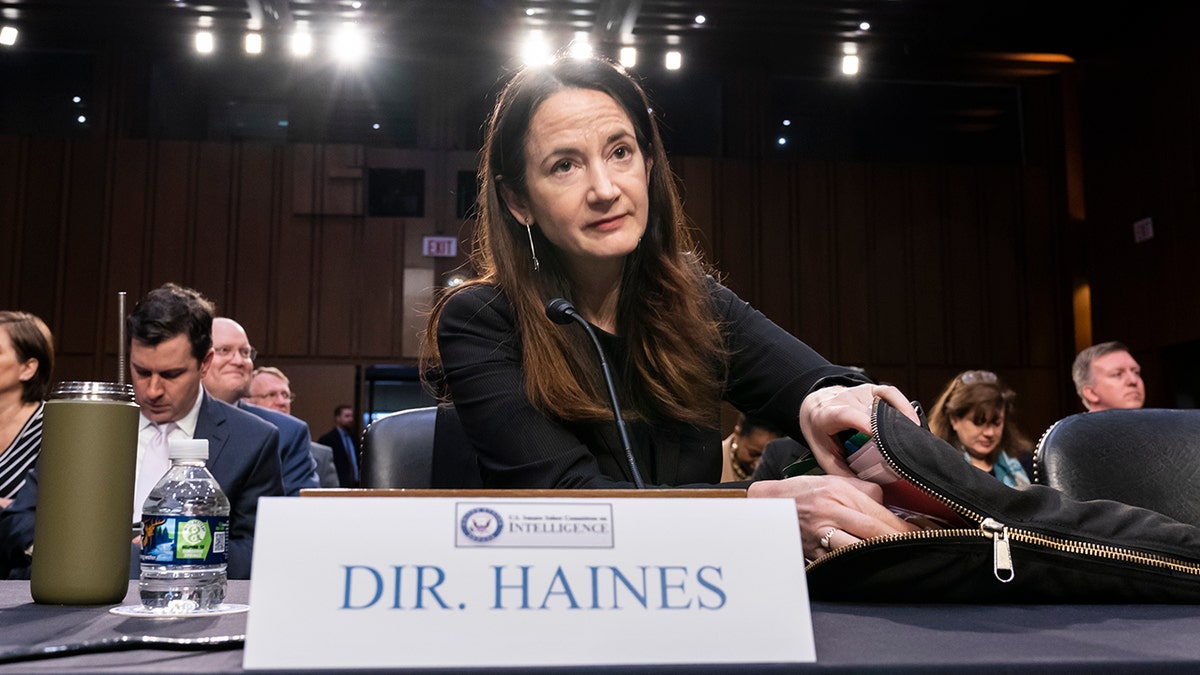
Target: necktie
[(155, 462)]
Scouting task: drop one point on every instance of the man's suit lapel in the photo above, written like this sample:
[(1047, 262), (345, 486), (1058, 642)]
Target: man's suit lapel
[(212, 424)]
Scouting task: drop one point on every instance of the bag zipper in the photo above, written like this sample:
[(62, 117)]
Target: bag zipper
[(1001, 535)]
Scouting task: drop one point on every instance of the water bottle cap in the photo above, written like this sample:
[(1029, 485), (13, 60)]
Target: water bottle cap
[(189, 448)]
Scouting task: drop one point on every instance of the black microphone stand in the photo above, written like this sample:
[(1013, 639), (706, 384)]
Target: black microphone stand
[(562, 312)]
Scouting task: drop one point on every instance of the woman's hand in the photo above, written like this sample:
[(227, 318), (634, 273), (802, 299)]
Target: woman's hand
[(828, 412), (833, 511), (5, 503)]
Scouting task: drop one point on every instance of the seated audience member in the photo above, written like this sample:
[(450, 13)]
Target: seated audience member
[(778, 455), (743, 448), (345, 447), (228, 379), (1107, 377), (26, 371), (577, 201), (974, 414), (270, 388), (170, 340)]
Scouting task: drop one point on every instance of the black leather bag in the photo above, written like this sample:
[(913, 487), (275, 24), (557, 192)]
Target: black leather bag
[(1029, 545)]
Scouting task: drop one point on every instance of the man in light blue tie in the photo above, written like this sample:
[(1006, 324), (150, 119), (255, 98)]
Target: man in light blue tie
[(345, 448)]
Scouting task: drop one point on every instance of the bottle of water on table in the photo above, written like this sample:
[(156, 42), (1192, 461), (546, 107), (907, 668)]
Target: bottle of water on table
[(185, 530)]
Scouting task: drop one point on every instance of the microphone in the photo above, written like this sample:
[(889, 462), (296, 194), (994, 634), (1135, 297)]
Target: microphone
[(562, 312)]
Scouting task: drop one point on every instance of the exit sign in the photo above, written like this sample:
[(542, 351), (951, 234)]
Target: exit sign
[(439, 247)]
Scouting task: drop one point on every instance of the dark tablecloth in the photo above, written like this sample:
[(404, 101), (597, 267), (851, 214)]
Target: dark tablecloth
[(849, 638)]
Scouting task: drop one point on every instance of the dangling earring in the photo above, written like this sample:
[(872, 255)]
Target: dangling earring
[(529, 231)]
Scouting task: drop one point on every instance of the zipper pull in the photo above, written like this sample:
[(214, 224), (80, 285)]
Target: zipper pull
[(1002, 565)]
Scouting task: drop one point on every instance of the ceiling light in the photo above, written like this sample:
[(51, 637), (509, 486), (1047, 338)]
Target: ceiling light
[(787, 123), (673, 60), (628, 56), (8, 36), (253, 43), (204, 42), (356, 4), (349, 46), (534, 51), (850, 64), (781, 141), (580, 48), (76, 99), (81, 119), (302, 43), (866, 25), (700, 19)]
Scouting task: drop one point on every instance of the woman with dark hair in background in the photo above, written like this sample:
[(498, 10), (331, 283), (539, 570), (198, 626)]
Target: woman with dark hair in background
[(577, 201), (974, 414), (26, 366), (744, 447)]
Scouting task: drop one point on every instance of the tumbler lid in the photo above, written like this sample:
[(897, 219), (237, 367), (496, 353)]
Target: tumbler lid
[(188, 448), (91, 391)]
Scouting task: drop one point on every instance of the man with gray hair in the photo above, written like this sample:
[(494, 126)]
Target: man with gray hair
[(1108, 377), (270, 388)]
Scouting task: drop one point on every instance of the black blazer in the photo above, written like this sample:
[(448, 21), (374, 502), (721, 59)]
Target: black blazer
[(770, 373), (345, 469)]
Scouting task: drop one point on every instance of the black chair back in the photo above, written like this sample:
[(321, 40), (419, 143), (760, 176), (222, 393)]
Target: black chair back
[(1148, 458), (419, 448)]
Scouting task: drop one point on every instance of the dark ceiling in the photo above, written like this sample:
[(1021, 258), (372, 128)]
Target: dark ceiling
[(939, 77), (904, 34)]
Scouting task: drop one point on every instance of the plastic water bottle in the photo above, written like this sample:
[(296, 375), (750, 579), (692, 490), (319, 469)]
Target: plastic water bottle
[(185, 530)]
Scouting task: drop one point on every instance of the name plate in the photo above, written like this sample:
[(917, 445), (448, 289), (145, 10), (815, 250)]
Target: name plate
[(375, 582)]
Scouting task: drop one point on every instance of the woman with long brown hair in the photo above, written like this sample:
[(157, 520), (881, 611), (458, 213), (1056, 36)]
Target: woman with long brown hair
[(577, 201), (974, 414)]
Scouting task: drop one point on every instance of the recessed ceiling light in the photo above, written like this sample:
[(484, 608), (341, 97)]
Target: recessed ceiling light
[(205, 42)]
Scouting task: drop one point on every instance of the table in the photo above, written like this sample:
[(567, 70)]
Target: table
[(849, 637)]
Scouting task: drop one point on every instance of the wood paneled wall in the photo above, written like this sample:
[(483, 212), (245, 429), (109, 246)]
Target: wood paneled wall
[(911, 272), (1142, 158)]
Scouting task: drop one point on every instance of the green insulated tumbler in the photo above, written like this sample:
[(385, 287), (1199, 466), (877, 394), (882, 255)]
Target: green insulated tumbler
[(81, 539)]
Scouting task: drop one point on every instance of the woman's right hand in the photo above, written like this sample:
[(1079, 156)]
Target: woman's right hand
[(833, 511)]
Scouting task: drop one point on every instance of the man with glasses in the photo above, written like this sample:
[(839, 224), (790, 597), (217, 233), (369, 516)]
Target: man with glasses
[(228, 379), (270, 388)]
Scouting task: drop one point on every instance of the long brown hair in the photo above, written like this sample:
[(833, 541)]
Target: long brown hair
[(978, 395), (676, 364)]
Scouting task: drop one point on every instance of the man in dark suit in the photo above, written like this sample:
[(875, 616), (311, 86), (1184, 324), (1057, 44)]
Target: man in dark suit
[(169, 352), (271, 389), (345, 448), (228, 379)]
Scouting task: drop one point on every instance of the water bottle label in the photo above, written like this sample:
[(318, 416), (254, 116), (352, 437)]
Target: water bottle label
[(184, 540)]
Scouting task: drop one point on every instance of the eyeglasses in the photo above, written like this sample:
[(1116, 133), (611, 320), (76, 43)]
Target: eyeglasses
[(248, 353), (285, 395), (977, 376)]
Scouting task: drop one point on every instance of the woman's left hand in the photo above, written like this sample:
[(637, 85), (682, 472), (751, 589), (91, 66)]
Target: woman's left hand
[(828, 412), (833, 511)]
